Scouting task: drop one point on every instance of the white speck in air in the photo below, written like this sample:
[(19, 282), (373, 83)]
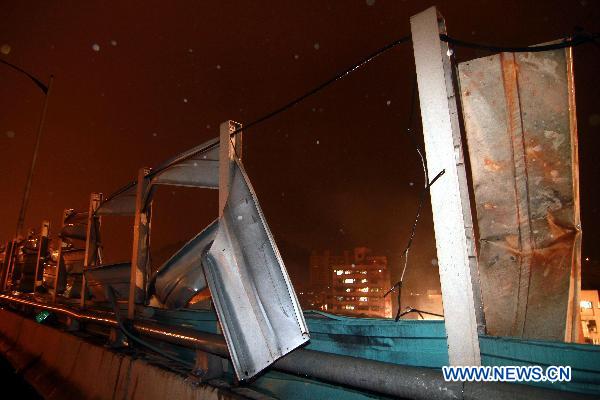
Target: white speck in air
[(96, 47), (387, 103), (296, 56), (10, 134), (5, 49), (218, 66), (317, 46), (185, 100), (113, 42), (239, 217), (154, 134), (318, 142), (370, 2)]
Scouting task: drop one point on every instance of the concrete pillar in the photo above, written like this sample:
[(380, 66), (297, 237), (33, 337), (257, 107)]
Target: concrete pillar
[(449, 195)]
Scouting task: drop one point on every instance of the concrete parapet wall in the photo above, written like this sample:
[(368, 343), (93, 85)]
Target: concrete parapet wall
[(62, 366)]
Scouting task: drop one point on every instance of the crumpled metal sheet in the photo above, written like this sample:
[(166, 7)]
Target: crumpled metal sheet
[(116, 275), (182, 276), (196, 167), (519, 111), (253, 296)]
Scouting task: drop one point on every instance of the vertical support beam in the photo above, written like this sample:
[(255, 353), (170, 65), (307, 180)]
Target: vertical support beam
[(12, 261), (449, 196), (139, 256), (59, 268), (573, 311), (229, 148), (91, 244), (42, 249), (8, 255)]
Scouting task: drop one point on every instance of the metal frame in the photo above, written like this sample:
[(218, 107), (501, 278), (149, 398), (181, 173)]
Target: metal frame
[(449, 196), (91, 243), (59, 256), (42, 247), (139, 256)]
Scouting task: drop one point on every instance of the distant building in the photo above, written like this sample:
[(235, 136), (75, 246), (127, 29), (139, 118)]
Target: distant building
[(350, 284), (589, 306)]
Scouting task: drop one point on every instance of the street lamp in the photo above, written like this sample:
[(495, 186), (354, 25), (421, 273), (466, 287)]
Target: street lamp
[(46, 89)]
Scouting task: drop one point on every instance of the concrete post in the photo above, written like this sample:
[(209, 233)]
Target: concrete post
[(449, 195)]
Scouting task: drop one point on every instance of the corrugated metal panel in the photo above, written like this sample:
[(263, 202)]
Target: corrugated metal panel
[(521, 132), (252, 293)]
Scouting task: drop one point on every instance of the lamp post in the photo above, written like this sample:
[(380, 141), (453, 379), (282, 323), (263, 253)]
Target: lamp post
[(46, 89)]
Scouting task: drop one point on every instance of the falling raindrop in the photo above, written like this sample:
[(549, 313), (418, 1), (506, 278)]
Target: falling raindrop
[(387, 103), (96, 47), (190, 50), (10, 134), (370, 2), (185, 100), (5, 49), (154, 134), (218, 66), (113, 42), (318, 142), (296, 56), (317, 46)]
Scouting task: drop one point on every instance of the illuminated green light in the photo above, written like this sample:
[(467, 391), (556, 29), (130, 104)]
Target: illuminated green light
[(42, 316)]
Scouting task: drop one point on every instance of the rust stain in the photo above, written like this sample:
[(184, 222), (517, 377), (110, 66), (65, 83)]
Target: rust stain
[(491, 165), (489, 206)]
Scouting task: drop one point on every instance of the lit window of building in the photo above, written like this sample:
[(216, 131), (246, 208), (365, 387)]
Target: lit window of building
[(364, 290), (349, 280), (364, 298)]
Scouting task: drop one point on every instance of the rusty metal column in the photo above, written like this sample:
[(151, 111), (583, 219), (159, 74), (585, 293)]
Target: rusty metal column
[(42, 248), (91, 245), (229, 147), (449, 196), (57, 275), (139, 256)]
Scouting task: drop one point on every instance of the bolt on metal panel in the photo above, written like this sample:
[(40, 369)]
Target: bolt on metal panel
[(253, 295), (522, 137)]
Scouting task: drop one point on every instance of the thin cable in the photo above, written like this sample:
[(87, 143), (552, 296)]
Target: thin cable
[(323, 85), (576, 40), (35, 80)]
